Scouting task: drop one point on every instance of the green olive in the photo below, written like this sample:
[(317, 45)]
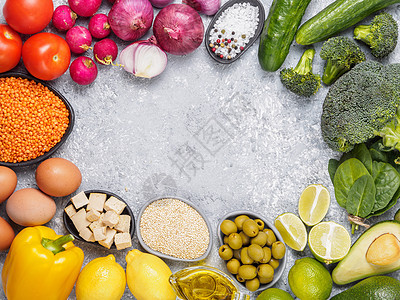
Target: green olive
[(245, 238), (278, 250), (245, 258), (253, 284), (228, 227), (240, 279), (233, 266), (267, 255), (235, 241), (260, 224), (274, 263), (236, 253), (260, 239), (225, 252), (239, 221), (247, 272), (271, 238), (250, 228), (265, 273), (255, 252), (226, 239)]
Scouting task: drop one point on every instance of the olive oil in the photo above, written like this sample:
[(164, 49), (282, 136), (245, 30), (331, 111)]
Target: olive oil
[(205, 283)]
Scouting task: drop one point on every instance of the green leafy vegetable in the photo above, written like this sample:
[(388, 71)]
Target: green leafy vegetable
[(361, 197)]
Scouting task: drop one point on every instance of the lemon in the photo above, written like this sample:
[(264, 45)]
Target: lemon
[(309, 280), (274, 294), (293, 231), (102, 278), (329, 242), (148, 276), (314, 204)]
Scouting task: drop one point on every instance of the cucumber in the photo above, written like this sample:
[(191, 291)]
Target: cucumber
[(337, 17), (280, 27)]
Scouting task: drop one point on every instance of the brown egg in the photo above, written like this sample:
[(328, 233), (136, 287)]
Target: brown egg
[(8, 182), (30, 207), (58, 177), (6, 234)]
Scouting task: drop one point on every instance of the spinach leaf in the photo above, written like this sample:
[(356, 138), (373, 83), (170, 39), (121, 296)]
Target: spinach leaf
[(362, 153), (361, 197), (392, 203), (332, 167), (346, 174)]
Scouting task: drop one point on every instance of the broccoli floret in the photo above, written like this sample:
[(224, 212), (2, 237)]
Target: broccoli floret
[(341, 54), (301, 79), (362, 104), (381, 35)]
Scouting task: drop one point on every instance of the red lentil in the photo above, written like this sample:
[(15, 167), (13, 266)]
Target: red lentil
[(32, 119)]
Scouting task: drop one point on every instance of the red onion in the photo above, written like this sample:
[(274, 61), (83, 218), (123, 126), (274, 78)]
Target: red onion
[(78, 39), (83, 70), (178, 29), (64, 18), (85, 8), (99, 26), (207, 7), (144, 58), (105, 51), (160, 3), (131, 19)]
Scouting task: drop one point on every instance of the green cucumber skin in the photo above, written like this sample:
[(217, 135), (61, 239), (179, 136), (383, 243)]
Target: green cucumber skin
[(280, 27), (337, 17)]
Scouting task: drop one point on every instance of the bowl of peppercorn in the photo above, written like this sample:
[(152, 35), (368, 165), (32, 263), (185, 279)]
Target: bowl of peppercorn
[(234, 29)]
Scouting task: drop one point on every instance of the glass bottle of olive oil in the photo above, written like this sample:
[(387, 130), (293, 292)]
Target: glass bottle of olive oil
[(205, 283)]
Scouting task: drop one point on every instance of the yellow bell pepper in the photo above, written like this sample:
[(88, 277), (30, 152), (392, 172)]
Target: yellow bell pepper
[(41, 265)]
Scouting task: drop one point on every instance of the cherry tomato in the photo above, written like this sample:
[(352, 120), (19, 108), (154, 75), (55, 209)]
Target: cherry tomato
[(46, 55), (28, 16), (10, 48)]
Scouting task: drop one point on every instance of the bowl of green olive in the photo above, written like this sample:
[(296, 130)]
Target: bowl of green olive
[(252, 248)]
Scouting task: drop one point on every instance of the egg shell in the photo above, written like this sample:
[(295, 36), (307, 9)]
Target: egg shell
[(6, 234), (58, 177), (8, 182), (30, 207)]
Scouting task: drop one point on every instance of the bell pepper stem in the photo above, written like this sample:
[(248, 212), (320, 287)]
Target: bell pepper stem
[(56, 246)]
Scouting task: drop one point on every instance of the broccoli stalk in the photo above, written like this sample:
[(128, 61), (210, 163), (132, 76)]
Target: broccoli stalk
[(381, 35), (301, 79)]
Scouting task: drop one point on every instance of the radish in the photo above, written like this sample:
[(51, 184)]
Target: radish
[(99, 26), (78, 39), (105, 51), (85, 8), (83, 70), (64, 18)]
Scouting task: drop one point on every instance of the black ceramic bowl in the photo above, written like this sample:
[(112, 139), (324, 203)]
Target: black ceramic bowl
[(261, 18), (67, 131), (71, 227)]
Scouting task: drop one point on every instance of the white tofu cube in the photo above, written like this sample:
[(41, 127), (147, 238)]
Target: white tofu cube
[(92, 215), (96, 201), (80, 200), (124, 224), (113, 204), (122, 240), (79, 220), (70, 210), (99, 233), (110, 218), (108, 241), (87, 234)]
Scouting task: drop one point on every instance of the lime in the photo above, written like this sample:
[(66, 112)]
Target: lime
[(293, 231), (274, 294), (397, 215), (308, 279), (329, 242), (313, 204)]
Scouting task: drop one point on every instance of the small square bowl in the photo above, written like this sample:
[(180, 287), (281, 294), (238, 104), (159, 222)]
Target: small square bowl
[(71, 227), (166, 256), (282, 262)]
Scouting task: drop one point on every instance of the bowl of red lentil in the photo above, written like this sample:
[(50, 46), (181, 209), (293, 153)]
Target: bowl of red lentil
[(174, 228), (35, 120)]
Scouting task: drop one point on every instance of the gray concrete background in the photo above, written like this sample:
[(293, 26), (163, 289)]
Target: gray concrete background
[(227, 137)]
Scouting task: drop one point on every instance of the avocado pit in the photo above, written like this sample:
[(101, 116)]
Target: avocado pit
[(384, 250)]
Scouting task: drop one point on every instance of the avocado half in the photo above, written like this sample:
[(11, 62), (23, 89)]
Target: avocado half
[(355, 265)]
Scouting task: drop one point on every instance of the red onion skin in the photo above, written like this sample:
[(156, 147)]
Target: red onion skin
[(207, 7), (105, 51), (160, 3), (85, 8), (78, 39), (131, 19), (83, 70), (64, 18), (178, 29), (99, 27)]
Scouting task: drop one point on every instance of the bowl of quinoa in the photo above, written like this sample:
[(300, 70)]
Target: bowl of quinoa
[(175, 229), (35, 120)]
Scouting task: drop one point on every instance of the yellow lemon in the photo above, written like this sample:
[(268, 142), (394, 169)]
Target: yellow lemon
[(102, 278), (148, 276)]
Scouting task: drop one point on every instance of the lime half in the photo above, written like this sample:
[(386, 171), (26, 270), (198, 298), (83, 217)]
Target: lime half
[(329, 242), (314, 204), (293, 231)]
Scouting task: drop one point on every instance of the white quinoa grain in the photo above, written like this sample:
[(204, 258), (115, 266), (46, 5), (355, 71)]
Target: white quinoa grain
[(173, 227)]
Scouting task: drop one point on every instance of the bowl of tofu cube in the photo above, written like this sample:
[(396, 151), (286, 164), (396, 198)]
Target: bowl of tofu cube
[(101, 218)]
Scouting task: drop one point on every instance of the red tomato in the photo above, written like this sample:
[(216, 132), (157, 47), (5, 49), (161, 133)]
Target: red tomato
[(10, 48), (46, 55), (28, 16)]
